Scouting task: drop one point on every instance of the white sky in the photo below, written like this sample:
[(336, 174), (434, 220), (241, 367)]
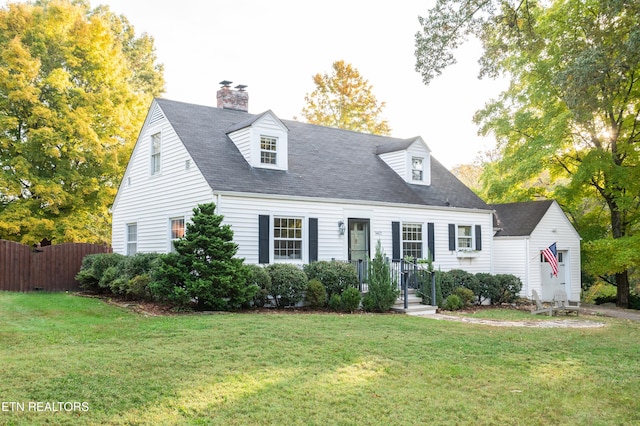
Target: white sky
[(276, 46)]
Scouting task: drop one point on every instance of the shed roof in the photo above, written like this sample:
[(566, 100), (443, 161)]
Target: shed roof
[(519, 219)]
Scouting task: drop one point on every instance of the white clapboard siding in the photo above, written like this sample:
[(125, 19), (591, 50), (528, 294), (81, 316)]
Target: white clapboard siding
[(555, 227), (511, 256), (397, 160), (241, 211), (151, 200)]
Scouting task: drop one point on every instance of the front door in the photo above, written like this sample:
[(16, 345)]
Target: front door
[(551, 283), (358, 239)]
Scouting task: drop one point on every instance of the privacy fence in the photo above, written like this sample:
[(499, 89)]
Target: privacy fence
[(48, 268)]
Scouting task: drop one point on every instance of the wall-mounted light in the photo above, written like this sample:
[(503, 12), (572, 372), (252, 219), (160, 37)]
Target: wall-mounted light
[(341, 227)]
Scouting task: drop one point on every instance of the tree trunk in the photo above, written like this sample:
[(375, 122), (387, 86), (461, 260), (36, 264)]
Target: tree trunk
[(622, 294)]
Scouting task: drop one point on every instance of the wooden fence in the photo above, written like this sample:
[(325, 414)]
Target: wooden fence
[(49, 268)]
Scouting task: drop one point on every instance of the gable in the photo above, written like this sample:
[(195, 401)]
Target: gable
[(410, 159), (262, 141)]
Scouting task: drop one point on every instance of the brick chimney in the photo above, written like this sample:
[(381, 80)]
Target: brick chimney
[(233, 99)]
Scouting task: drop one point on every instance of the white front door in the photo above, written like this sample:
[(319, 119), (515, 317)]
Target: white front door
[(550, 283)]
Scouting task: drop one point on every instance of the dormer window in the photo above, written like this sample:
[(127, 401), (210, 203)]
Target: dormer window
[(268, 150), (417, 169)]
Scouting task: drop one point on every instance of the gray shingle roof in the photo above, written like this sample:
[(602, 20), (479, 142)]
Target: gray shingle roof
[(519, 219), (324, 162)]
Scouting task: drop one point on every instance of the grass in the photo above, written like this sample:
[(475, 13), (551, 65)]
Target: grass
[(240, 369)]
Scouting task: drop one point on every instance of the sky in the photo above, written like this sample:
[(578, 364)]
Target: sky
[(276, 46)]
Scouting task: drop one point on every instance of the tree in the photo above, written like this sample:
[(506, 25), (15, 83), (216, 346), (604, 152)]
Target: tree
[(572, 108), (204, 268), (345, 100), (75, 83), (383, 288)]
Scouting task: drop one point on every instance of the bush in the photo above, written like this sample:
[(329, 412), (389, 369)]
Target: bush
[(258, 277), (316, 296), (466, 296), (93, 269), (167, 284), (452, 303), (335, 302), (508, 289), (383, 291), (288, 284), (335, 276), (351, 298), (487, 287)]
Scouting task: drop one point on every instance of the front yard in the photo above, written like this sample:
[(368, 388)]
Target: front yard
[(244, 368)]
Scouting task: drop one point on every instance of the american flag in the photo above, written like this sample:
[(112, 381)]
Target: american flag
[(551, 254)]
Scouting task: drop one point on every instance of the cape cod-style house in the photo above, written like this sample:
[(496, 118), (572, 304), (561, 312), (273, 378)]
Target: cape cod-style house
[(295, 192)]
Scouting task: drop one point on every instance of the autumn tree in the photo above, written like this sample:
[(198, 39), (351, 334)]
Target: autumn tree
[(75, 83), (345, 100), (572, 107)]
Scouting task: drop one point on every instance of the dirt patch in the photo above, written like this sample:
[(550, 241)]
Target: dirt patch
[(559, 323)]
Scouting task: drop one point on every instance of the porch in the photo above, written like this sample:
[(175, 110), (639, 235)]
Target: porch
[(415, 284)]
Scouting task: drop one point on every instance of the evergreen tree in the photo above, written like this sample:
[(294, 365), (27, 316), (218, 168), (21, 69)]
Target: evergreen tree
[(204, 267), (383, 289)]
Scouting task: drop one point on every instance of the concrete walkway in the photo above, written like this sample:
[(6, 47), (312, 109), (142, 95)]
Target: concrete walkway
[(609, 310)]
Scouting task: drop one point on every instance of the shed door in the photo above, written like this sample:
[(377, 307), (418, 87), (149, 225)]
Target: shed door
[(550, 282)]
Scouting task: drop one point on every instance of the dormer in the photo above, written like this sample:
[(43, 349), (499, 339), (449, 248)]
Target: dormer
[(409, 158), (262, 140)]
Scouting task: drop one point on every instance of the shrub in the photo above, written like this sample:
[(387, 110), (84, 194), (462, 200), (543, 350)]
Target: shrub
[(93, 269), (335, 302), (316, 296), (259, 277), (508, 289), (383, 291), (288, 283), (487, 287), (206, 270), (167, 284), (466, 296), (452, 303), (335, 276), (351, 298)]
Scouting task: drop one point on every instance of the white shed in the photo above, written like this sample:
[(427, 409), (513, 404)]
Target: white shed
[(522, 232)]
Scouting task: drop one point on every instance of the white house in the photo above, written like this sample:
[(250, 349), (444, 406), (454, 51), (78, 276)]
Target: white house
[(295, 192), (523, 231)]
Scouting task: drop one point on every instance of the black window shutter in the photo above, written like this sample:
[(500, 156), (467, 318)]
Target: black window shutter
[(395, 240), (263, 238), (431, 242), (478, 237), (452, 236), (313, 239)]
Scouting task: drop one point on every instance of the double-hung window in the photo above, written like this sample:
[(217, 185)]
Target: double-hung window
[(287, 238), (155, 153), (177, 230), (132, 238), (465, 237), (412, 240), (417, 171), (268, 150)]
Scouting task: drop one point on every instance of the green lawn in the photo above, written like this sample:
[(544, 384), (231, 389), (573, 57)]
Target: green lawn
[(307, 369)]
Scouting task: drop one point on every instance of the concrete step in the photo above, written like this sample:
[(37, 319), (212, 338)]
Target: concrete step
[(416, 309)]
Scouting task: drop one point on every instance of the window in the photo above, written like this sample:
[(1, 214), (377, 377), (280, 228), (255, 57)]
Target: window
[(177, 230), (132, 238), (287, 238), (560, 258), (268, 147), (412, 240), (416, 168), (465, 237), (155, 153)]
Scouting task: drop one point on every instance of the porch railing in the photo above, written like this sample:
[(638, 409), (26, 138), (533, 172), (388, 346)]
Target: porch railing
[(406, 274)]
